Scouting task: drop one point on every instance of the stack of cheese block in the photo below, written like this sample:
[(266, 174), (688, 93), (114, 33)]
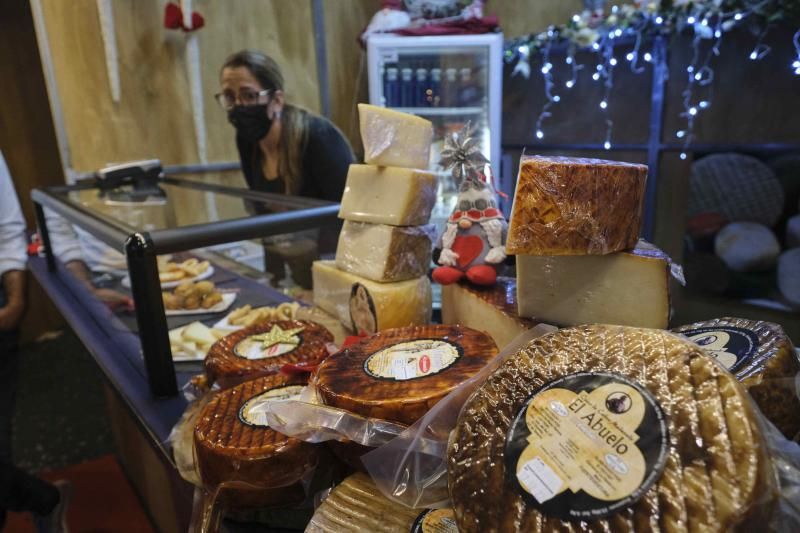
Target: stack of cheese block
[(574, 228), (379, 278)]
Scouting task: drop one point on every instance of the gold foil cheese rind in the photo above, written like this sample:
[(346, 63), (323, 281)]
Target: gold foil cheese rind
[(572, 206), (767, 368), (715, 477)]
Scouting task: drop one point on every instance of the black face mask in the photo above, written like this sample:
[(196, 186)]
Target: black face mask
[(251, 122)]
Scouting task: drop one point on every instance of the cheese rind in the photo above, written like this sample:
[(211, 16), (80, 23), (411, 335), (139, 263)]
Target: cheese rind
[(384, 253), (572, 206), (762, 358), (357, 505), (625, 288), (400, 374), (716, 476), (388, 195), (490, 309), (394, 139), (365, 305), (252, 465)]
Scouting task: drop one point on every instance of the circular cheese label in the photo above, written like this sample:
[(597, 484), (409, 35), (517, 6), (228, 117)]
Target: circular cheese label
[(275, 342), (253, 412), (412, 360), (587, 445), (435, 521), (733, 347), (362, 310)]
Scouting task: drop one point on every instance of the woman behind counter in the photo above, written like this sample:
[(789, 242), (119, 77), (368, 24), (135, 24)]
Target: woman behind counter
[(283, 149)]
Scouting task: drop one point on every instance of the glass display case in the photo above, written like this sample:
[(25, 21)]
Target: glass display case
[(142, 221)]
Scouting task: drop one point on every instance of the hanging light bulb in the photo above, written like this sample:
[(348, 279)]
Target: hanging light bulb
[(603, 104), (570, 84), (539, 134), (683, 155), (607, 145), (680, 134)]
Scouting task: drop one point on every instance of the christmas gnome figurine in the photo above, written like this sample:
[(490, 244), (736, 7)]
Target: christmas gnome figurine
[(473, 244)]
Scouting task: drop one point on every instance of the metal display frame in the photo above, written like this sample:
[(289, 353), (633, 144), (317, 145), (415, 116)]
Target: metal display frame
[(142, 248)]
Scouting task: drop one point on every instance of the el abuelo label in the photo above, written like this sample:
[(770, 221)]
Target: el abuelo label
[(733, 347), (587, 445)]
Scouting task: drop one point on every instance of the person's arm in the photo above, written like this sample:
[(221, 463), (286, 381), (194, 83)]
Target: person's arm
[(328, 156), (13, 257)]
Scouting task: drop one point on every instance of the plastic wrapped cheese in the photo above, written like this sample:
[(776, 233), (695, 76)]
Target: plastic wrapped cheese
[(491, 309), (572, 206), (240, 457), (388, 195), (609, 428), (384, 253), (366, 306), (762, 357), (263, 349), (356, 505), (626, 288), (398, 374), (394, 139)]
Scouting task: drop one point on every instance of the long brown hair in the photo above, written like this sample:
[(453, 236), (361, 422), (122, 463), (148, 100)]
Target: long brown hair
[(294, 119)]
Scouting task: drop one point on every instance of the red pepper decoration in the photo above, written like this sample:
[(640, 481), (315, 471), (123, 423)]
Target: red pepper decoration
[(173, 18)]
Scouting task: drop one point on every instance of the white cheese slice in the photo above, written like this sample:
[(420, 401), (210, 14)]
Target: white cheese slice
[(384, 253), (394, 139), (625, 288), (388, 195), (367, 306)]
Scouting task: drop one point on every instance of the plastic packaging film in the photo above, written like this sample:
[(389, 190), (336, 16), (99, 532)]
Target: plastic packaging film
[(573, 206), (392, 138), (672, 436), (366, 306), (263, 349), (384, 253), (762, 357)]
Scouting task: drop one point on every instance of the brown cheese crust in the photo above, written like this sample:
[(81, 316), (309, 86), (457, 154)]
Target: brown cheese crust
[(399, 374), (224, 366), (256, 465), (574, 206), (715, 471), (767, 370)]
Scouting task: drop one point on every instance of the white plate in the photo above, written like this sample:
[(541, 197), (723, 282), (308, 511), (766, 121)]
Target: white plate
[(227, 300), (207, 273)]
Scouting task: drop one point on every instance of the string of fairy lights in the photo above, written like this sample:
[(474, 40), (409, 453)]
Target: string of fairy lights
[(709, 21)]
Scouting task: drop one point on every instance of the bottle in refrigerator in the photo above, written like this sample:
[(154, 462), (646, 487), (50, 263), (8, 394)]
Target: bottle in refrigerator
[(391, 88), (422, 88), (407, 87), (468, 91), (435, 87), (450, 88)]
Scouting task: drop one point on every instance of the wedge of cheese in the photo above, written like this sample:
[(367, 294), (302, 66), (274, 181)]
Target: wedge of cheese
[(489, 309), (367, 306), (571, 206), (384, 253), (609, 428), (394, 139), (762, 357), (626, 288), (388, 195)]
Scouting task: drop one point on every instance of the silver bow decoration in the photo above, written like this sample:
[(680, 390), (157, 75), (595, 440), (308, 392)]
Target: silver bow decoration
[(462, 155)]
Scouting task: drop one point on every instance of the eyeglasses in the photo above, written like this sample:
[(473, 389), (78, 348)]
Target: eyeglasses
[(246, 97)]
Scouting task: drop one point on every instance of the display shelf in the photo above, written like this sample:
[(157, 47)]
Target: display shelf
[(440, 111)]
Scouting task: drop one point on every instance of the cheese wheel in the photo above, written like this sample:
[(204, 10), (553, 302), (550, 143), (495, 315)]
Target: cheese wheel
[(491, 309), (241, 455), (574, 206), (762, 357), (356, 505), (263, 349), (399, 374), (608, 428)]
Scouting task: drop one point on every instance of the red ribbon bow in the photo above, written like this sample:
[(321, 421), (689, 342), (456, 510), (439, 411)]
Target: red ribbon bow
[(173, 18)]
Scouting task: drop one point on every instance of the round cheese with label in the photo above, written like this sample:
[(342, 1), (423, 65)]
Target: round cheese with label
[(762, 357), (608, 428), (263, 349), (399, 374), (241, 455)]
